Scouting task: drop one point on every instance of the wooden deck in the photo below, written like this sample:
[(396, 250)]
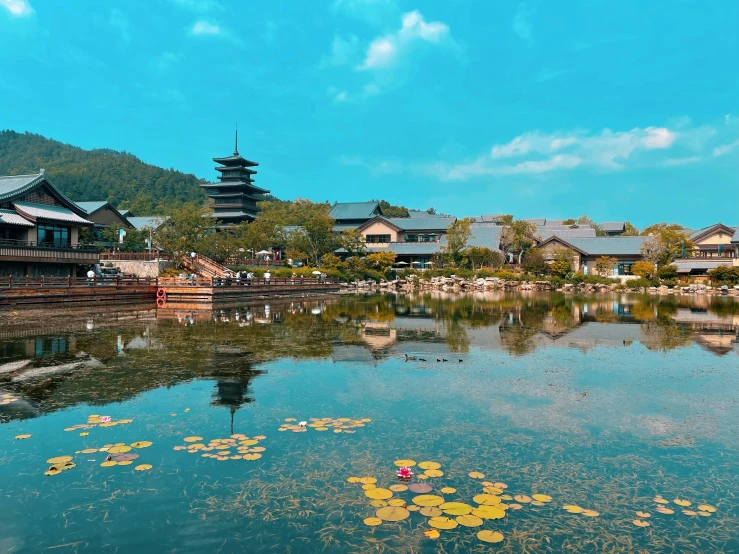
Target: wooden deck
[(166, 292)]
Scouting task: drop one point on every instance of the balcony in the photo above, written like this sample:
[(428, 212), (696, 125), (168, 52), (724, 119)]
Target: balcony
[(27, 251)]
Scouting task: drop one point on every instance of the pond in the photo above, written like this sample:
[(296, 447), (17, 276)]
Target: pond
[(525, 422)]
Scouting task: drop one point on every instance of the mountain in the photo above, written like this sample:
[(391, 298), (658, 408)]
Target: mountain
[(99, 174)]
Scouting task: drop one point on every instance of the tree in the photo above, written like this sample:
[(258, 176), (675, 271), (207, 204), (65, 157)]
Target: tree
[(533, 262), (563, 261), (517, 236), (643, 269), (330, 261), (457, 236), (723, 275), (667, 272), (630, 230), (183, 231), (604, 265), (381, 261), (352, 242), (667, 242), (315, 237), (481, 256), (389, 210), (133, 239)]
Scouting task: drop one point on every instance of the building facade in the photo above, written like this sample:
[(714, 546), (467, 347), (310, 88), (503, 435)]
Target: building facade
[(586, 251), (40, 230)]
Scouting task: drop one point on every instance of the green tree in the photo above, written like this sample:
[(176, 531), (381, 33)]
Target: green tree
[(315, 237), (562, 264), (517, 236), (183, 231), (352, 242), (630, 230), (667, 242), (481, 256), (330, 261), (723, 275), (585, 221), (457, 236), (381, 261), (533, 262), (604, 265), (133, 239), (389, 210)]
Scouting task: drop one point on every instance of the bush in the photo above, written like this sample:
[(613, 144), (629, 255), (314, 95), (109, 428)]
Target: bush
[(723, 275), (667, 272), (640, 283), (643, 269)]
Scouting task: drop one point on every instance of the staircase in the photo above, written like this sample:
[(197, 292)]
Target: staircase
[(204, 266)]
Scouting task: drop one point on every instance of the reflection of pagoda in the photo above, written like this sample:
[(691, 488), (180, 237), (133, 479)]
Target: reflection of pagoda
[(234, 198)]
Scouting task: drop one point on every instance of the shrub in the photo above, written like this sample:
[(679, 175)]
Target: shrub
[(667, 272), (533, 262), (643, 269), (723, 275), (640, 283)]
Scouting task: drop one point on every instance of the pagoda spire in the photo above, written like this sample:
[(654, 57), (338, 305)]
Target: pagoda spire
[(236, 144)]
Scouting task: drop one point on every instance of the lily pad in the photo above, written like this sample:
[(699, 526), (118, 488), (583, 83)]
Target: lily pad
[(398, 502), (489, 512), (541, 497), (442, 522), (430, 511), (490, 536), (143, 467), (455, 508), (373, 521), (476, 475), (109, 463), (434, 472), (432, 534), (428, 500), (22, 437), (706, 508), (59, 460), (125, 457), (640, 523), (119, 449), (252, 457), (643, 515), (522, 498), (141, 444), (448, 490), (420, 488), (392, 513), (487, 499), (398, 488), (378, 494), (404, 463), (683, 503), (429, 465), (378, 503), (469, 520)]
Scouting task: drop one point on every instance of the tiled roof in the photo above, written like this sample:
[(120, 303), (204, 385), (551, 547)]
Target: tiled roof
[(537, 220), (735, 238), (545, 233), (608, 246), (147, 222), (52, 213), (353, 210), (339, 227), (9, 217), (420, 214), (485, 235), (612, 226), (426, 224), (688, 265), (90, 207), (15, 184)]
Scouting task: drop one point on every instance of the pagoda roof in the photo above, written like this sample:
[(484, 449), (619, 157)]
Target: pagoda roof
[(234, 184), (231, 168), (232, 215), (235, 159)]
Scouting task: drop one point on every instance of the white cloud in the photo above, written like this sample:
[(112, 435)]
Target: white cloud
[(17, 8), (522, 24), (119, 22), (538, 153), (385, 50), (725, 149), (204, 28)]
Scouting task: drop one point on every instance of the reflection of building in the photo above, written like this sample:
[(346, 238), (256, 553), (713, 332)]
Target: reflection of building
[(719, 334)]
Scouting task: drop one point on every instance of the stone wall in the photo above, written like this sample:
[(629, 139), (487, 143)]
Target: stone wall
[(140, 268)]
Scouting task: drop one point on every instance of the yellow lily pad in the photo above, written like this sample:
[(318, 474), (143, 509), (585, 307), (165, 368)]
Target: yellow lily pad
[(643, 515), (432, 534), (22, 437), (428, 500), (660, 500), (489, 512), (487, 499), (353, 480), (490, 536), (537, 503), (404, 463), (430, 511), (398, 502), (110, 463), (378, 503), (448, 490), (476, 475), (143, 467), (522, 498), (378, 494), (541, 498), (84, 434), (493, 490), (412, 508), (571, 508), (683, 503), (141, 444), (88, 451), (429, 465), (515, 506), (640, 523), (59, 460), (368, 480), (125, 463), (392, 513), (373, 521), (500, 485), (398, 488), (706, 508), (119, 449), (704, 514), (252, 457), (663, 510), (690, 513), (433, 472), (441, 522), (469, 520), (590, 513), (455, 508)]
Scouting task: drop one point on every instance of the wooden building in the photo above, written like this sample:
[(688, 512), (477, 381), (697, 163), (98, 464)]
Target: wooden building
[(234, 197), (40, 229)]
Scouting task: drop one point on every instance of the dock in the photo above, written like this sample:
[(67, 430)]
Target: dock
[(164, 292)]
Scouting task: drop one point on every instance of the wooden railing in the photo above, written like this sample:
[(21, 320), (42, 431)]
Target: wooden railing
[(204, 266), (68, 282), (236, 282), (132, 256), (251, 262)]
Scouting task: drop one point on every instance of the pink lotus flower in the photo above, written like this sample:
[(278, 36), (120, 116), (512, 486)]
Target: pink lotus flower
[(105, 418), (405, 473)]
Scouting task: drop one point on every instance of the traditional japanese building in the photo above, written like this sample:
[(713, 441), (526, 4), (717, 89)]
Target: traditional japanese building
[(234, 197)]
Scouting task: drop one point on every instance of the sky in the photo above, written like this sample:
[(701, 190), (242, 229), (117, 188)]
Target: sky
[(619, 110)]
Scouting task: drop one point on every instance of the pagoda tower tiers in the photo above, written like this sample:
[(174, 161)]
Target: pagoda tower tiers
[(234, 197)]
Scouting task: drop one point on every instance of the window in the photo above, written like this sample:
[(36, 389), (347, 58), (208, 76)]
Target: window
[(420, 237), (372, 239), (624, 268), (52, 235)]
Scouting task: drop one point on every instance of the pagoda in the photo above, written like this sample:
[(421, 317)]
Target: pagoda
[(234, 197)]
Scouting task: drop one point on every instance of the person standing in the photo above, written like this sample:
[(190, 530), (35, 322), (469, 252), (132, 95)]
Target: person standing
[(90, 277), (267, 276)]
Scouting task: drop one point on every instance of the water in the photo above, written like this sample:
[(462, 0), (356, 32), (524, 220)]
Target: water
[(600, 402)]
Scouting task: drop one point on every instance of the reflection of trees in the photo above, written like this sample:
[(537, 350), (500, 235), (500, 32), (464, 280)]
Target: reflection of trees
[(663, 334), (456, 337)]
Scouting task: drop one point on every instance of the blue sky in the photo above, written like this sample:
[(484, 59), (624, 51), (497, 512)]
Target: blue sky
[(625, 110)]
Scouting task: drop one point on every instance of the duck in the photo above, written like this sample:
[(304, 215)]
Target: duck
[(409, 358), (461, 360), (421, 359)]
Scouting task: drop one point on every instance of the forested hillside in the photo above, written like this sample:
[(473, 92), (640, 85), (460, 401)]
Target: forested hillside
[(100, 174)]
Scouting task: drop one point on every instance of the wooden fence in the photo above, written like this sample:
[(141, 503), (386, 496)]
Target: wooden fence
[(69, 282)]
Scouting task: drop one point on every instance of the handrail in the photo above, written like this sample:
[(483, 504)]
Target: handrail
[(28, 281), (238, 282), (46, 245)]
